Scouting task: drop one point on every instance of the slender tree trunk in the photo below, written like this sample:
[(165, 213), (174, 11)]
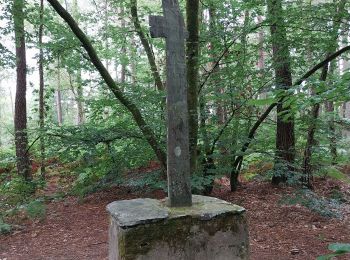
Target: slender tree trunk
[(106, 17), (192, 52), (329, 105), (41, 92), (123, 49), (146, 45), (346, 115), (133, 63), (80, 99), (239, 159), (261, 60), (208, 163), (58, 95), (307, 168), (345, 68), (215, 69), (20, 121), (12, 103), (285, 141), (0, 117), (307, 179)]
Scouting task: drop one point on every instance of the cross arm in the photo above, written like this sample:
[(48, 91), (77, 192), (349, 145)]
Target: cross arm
[(157, 26)]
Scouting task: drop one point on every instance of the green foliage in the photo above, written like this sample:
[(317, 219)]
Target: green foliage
[(200, 182), (4, 227), (7, 158), (325, 207), (261, 102), (36, 210), (150, 180), (16, 191), (90, 180), (338, 249), (334, 173), (233, 97)]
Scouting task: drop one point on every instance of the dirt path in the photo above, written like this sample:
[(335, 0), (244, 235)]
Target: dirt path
[(75, 230)]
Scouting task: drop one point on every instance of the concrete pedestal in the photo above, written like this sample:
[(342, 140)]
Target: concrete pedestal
[(146, 229)]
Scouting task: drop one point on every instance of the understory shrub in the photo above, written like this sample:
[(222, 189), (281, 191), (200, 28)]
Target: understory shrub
[(325, 207)]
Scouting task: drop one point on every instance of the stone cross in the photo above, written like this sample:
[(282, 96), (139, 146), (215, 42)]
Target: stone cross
[(171, 27)]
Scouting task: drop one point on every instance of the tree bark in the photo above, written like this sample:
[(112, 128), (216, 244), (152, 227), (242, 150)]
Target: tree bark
[(285, 140), (129, 105), (80, 99), (58, 95), (106, 16), (330, 104), (261, 60), (192, 53), (20, 120), (123, 50), (41, 92), (307, 169)]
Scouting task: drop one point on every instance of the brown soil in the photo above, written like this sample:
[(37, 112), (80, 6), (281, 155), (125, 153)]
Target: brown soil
[(78, 230)]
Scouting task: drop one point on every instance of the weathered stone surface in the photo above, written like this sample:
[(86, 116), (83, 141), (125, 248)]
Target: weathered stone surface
[(148, 229), (128, 213)]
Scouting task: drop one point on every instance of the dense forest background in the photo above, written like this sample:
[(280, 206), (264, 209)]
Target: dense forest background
[(244, 59), (83, 97), (82, 102)]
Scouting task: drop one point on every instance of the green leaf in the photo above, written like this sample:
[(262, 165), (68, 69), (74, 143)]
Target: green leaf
[(261, 102), (326, 257), (339, 247)]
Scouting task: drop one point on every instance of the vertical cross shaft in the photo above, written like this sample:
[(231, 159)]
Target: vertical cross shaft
[(171, 27)]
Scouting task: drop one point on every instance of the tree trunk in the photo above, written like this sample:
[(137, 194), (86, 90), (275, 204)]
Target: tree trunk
[(20, 121), (192, 53), (346, 115), (58, 95), (307, 178), (80, 99), (106, 16), (123, 49), (11, 101), (0, 116), (146, 45), (307, 169), (329, 104), (285, 141), (238, 161), (215, 69), (261, 60), (208, 163), (41, 92)]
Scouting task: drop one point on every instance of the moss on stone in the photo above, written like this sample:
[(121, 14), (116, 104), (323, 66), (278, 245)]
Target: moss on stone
[(144, 226), (175, 232)]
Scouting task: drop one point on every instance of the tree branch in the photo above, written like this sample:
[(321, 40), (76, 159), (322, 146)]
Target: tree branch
[(272, 106), (321, 64), (223, 54), (129, 105), (146, 45)]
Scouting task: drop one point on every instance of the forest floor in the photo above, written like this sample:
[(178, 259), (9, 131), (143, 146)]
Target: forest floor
[(75, 229)]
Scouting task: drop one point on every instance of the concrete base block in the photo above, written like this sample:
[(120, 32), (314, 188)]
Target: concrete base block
[(147, 229)]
